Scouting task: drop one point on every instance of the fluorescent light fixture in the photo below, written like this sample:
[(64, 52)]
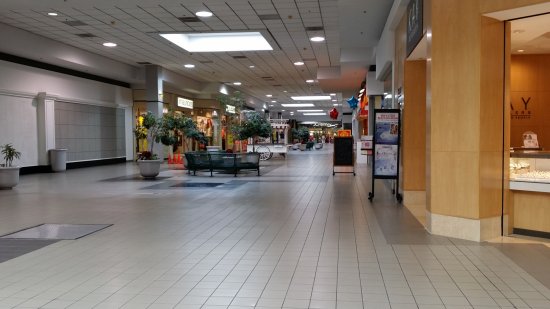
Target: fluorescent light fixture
[(298, 63), (309, 81), (189, 66), (269, 95), (283, 110), (335, 104), (317, 39), (109, 44), (219, 41), (271, 105), (298, 105), (237, 83), (204, 14), (251, 66), (309, 110), (312, 98), (273, 101), (314, 114), (334, 100), (332, 94), (52, 14), (285, 91)]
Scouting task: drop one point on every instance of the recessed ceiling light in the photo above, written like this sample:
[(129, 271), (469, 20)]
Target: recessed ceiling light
[(271, 105), (189, 66), (310, 81), (109, 44), (52, 14), (251, 66), (333, 94), (237, 83), (298, 63), (268, 95), (335, 104), (314, 114), (521, 50), (283, 110), (334, 100), (519, 31), (298, 105), (317, 39), (309, 110), (285, 91), (312, 98), (204, 14), (219, 41), (273, 101)]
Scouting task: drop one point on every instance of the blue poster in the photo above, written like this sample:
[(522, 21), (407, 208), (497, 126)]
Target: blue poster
[(386, 128), (385, 160)]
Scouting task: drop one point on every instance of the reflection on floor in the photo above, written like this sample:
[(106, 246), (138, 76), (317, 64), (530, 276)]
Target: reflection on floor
[(295, 237)]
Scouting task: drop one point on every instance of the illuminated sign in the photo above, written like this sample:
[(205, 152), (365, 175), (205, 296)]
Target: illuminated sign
[(185, 103), (230, 109)]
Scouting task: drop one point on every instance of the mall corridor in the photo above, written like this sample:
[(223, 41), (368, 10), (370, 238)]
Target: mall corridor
[(295, 237)]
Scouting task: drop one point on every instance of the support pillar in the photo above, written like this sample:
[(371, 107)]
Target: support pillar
[(45, 126), (153, 95)]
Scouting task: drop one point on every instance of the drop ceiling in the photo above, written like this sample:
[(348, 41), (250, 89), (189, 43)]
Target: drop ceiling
[(348, 25)]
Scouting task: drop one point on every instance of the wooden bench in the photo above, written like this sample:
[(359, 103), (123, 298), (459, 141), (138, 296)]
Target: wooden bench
[(216, 161)]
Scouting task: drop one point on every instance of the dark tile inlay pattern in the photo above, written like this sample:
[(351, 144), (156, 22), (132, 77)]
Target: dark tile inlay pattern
[(57, 231), (197, 185), (12, 248)]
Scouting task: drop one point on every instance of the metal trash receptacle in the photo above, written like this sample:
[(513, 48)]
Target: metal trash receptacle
[(58, 159)]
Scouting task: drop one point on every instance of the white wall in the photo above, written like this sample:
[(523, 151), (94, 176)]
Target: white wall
[(19, 86)]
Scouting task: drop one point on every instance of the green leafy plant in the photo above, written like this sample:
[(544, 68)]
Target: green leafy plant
[(236, 99), (302, 133), (9, 154), (252, 126), (166, 129)]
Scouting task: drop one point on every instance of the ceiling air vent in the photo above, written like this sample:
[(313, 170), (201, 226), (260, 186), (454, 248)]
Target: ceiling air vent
[(86, 35), (144, 62), (239, 57), (192, 19), (206, 61), (315, 28), (270, 17), (74, 23), (267, 78), (277, 85)]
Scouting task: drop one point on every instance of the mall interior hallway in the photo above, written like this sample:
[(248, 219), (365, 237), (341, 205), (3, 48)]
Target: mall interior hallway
[(295, 237)]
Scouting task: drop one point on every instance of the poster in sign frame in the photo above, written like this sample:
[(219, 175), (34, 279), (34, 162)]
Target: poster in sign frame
[(387, 136)]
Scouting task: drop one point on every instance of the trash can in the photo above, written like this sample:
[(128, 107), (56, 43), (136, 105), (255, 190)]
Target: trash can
[(58, 159)]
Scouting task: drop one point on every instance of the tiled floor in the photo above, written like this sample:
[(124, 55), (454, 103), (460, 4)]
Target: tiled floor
[(296, 237)]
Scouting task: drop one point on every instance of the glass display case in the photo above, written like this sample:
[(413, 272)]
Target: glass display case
[(530, 171)]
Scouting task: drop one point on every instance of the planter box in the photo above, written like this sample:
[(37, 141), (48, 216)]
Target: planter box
[(149, 168), (9, 177)]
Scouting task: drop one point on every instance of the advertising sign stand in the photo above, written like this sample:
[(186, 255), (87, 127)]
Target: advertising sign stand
[(343, 153), (386, 141)]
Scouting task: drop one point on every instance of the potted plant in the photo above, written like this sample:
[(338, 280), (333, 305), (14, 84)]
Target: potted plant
[(253, 126), (9, 174), (164, 130), (302, 133)]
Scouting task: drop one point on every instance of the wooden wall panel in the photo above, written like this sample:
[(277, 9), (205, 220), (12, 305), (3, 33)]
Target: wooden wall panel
[(532, 211), (414, 127), (488, 6), (456, 191), (456, 39), (530, 80)]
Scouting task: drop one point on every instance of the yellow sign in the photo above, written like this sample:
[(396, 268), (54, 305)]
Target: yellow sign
[(344, 132)]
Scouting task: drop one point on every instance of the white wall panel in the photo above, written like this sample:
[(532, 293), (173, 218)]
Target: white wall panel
[(18, 126)]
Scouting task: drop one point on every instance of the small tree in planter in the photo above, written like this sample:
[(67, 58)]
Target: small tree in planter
[(254, 125), (302, 133), (9, 174)]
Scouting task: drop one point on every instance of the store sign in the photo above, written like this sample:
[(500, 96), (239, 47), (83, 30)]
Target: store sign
[(521, 111), (185, 103), (230, 109), (415, 27)]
